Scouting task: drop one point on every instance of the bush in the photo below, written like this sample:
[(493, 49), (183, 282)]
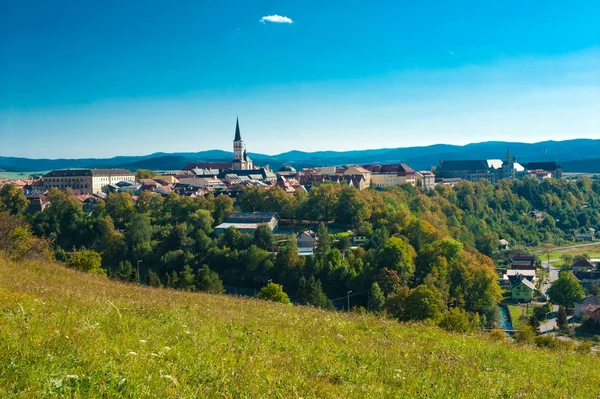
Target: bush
[(525, 334), (456, 320), (497, 335), (584, 347), (544, 341), (87, 261), (273, 292)]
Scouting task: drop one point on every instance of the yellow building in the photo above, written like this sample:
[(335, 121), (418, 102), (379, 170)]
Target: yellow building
[(86, 181)]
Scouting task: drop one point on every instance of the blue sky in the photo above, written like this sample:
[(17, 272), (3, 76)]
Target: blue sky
[(128, 77)]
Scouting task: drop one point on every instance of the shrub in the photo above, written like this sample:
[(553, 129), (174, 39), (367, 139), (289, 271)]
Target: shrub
[(497, 335), (584, 347), (544, 341), (273, 292), (87, 261), (456, 320), (525, 334)]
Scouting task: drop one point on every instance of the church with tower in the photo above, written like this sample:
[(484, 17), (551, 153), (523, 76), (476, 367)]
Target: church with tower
[(241, 160)]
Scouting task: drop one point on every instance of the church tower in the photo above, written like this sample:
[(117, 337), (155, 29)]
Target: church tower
[(241, 161)]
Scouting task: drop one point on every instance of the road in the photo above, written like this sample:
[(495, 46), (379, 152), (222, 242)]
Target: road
[(550, 323)]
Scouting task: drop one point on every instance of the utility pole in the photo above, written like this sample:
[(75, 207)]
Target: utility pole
[(349, 300), (138, 270)]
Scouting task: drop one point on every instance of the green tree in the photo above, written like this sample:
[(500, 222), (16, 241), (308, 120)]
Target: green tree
[(126, 272), (186, 279), (152, 279), (273, 292), (423, 303), (351, 208), (144, 174), (263, 237), (566, 290), (376, 297), (87, 261), (311, 293), (397, 255), (322, 201), (12, 199), (561, 320), (208, 281), (324, 242)]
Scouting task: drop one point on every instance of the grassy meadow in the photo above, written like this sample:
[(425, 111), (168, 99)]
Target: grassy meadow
[(68, 334), (20, 175)]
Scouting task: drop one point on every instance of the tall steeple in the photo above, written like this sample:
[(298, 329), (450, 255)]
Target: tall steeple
[(238, 136)]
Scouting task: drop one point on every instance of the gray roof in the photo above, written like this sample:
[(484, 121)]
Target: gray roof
[(525, 282), (69, 172), (250, 217), (463, 165), (590, 300)]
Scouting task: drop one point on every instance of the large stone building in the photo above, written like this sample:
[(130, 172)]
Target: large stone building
[(391, 175), (86, 181), (492, 170)]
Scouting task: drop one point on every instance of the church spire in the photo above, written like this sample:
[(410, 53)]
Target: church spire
[(238, 136)]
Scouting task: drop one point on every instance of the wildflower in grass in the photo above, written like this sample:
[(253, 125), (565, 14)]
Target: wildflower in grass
[(166, 348), (72, 376), (143, 341), (153, 355), (187, 332), (133, 353)]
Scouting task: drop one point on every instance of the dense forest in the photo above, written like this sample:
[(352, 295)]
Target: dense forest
[(424, 253)]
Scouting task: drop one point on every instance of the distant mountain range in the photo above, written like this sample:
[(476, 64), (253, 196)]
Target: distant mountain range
[(579, 155)]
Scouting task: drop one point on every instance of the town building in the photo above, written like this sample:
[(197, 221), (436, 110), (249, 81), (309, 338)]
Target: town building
[(86, 181), (523, 290), (492, 170), (248, 222), (425, 179), (586, 306), (544, 170), (391, 175)]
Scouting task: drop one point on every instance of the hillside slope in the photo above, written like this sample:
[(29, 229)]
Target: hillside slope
[(63, 333)]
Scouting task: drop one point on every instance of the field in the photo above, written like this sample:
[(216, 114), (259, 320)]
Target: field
[(592, 249), (516, 311), (20, 175), (67, 334)]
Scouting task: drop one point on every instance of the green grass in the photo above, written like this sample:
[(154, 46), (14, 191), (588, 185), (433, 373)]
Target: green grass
[(516, 311), (66, 334), (20, 175)]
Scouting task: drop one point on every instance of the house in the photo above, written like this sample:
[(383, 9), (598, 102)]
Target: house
[(583, 265), (307, 239), (586, 306), (37, 202), (587, 279), (537, 215), (425, 179), (522, 262), (516, 275), (584, 236), (247, 222), (522, 291)]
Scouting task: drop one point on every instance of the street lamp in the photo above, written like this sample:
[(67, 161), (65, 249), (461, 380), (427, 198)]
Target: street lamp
[(138, 270), (348, 300)]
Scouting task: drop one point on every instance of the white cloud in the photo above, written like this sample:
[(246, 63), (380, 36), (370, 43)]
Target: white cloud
[(278, 19)]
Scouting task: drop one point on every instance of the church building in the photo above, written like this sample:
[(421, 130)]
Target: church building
[(241, 160)]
